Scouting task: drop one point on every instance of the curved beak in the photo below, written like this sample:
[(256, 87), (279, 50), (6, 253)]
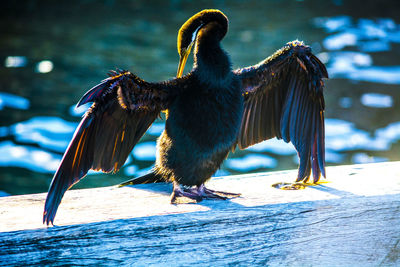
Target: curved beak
[(182, 60)]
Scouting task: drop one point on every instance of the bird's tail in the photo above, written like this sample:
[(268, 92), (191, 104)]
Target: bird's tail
[(145, 179)]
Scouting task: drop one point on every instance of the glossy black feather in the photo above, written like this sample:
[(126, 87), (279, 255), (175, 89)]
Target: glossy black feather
[(145, 179), (124, 108), (284, 99)]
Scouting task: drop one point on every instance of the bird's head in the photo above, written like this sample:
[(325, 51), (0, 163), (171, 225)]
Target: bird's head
[(189, 31)]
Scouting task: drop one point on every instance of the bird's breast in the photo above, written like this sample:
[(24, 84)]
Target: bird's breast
[(206, 117)]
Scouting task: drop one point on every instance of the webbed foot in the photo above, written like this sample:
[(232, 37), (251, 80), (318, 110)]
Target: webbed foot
[(196, 194), (209, 193), (184, 195)]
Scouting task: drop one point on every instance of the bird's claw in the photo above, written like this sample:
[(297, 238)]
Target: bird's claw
[(186, 196), (208, 193), (197, 194)]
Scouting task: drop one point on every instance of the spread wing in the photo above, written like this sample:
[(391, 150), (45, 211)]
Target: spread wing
[(124, 107), (284, 99)]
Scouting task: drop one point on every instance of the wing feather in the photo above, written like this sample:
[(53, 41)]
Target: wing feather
[(124, 108), (284, 99)]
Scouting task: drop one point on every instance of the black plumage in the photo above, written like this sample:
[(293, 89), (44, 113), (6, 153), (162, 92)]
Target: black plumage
[(210, 111)]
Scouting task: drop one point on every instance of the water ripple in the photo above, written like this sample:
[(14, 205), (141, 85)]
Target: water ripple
[(274, 146), (251, 162), (344, 136), (376, 100), (145, 151), (367, 36), (31, 158), (52, 133), (15, 62), (13, 101)]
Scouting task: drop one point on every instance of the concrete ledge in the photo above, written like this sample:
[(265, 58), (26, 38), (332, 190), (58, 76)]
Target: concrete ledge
[(352, 219)]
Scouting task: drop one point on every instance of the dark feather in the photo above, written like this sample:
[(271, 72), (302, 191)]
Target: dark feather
[(151, 177), (284, 99), (108, 131)]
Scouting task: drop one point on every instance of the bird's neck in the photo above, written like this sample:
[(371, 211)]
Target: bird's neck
[(211, 63)]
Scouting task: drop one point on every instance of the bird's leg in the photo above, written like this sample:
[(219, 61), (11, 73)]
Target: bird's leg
[(208, 193), (180, 195)]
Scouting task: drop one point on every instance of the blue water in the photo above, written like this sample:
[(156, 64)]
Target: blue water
[(53, 52)]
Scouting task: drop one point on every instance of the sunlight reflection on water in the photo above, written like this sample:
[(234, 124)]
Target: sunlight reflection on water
[(54, 134), (344, 136), (13, 101), (44, 66), (48, 132), (362, 158), (31, 158), (79, 111), (376, 100), (251, 162), (274, 146), (15, 62), (145, 151), (369, 36)]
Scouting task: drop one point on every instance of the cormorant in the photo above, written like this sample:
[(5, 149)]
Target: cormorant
[(210, 111)]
